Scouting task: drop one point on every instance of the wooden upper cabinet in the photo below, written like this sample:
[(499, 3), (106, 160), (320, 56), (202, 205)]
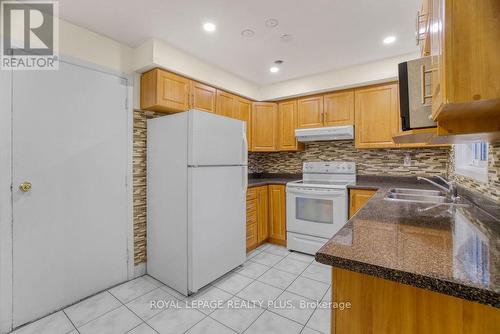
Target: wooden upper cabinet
[(277, 214), (243, 111), (202, 97), (287, 123), (436, 49), (264, 126), (376, 116), (226, 103), (164, 91), (339, 108), (424, 27), (465, 64), (310, 112)]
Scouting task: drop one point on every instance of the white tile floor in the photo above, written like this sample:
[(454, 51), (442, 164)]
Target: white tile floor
[(271, 274)]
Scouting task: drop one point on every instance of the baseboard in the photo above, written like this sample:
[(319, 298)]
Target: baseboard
[(274, 241), (279, 242)]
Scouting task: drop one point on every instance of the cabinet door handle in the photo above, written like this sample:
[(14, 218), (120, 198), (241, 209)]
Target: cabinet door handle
[(423, 72), (420, 35), (417, 27)]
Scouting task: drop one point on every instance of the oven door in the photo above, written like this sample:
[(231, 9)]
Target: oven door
[(317, 212)]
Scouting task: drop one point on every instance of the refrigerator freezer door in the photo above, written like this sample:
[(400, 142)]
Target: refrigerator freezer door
[(167, 193), (216, 222), (216, 140)]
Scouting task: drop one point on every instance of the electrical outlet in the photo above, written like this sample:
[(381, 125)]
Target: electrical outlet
[(407, 160)]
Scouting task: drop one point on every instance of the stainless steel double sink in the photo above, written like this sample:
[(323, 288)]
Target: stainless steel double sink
[(420, 196)]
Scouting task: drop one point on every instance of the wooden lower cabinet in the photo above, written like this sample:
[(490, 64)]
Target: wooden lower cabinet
[(262, 214), (358, 198), (277, 215), (251, 218), (266, 216), (380, 306), (251, 236)]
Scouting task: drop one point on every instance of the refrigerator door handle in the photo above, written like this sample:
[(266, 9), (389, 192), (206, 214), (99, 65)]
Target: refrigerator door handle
[(245, 180), (245, 148)]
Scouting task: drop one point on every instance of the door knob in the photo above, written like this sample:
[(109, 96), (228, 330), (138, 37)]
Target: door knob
[(25, 186)]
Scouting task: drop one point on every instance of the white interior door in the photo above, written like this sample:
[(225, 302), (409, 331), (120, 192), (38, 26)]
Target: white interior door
[(70, 229), (216, 222)]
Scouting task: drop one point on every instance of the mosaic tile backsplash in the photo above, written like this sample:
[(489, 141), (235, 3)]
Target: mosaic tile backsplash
[(424, 161), (139, 183)]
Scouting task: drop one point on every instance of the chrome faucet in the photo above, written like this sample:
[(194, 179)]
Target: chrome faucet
[(451, 190)]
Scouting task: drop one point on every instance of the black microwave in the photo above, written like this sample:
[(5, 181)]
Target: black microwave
[(414, 94)]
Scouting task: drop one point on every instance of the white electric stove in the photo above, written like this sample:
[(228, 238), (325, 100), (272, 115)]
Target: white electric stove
[(317, 206)]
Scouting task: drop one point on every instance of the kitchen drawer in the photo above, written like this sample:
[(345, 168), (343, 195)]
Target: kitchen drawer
[(251, 205), (251, 236), (251, 217), (252, 193)]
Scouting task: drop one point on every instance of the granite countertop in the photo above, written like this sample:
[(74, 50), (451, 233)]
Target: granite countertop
[(262, 179), (451, 250)]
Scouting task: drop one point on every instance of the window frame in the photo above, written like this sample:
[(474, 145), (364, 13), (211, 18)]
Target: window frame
[(471, 160)]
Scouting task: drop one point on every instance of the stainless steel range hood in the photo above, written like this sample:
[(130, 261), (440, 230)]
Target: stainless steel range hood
[(345, 132)]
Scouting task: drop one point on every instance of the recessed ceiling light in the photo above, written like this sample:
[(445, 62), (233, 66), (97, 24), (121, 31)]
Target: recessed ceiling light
[(248, 33), (209, 27), (389, 39), (274, 69), (272, 23)]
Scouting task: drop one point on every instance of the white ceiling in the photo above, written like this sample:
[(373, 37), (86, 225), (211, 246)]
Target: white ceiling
[(327, 34)]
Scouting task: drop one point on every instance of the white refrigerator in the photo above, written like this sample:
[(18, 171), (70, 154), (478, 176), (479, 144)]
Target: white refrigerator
[(196, 198)]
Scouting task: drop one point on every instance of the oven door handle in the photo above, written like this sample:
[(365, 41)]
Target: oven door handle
[(318, 191)]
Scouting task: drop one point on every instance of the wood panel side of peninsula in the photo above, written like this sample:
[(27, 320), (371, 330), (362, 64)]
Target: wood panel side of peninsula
[(384, 306)]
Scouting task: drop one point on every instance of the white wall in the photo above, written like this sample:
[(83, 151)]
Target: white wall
[(359, 75), (83, 44), (155, 53), (86, 45)]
